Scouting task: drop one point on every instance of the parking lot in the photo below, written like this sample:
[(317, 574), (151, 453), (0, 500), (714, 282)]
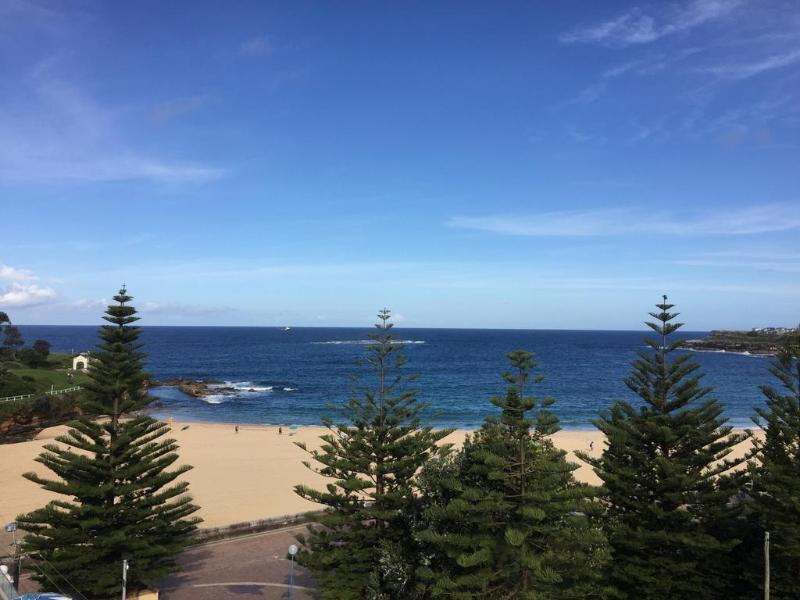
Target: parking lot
[(253, 566)]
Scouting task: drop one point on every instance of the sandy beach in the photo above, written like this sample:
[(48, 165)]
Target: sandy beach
[(237, 476)]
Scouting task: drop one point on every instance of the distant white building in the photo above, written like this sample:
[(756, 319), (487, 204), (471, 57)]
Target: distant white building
[(774, 330), (81, 362)]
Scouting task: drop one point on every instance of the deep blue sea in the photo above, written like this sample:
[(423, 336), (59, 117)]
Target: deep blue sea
[(296, 374)]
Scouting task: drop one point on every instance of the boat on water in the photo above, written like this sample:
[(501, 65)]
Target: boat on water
[(285, 328)]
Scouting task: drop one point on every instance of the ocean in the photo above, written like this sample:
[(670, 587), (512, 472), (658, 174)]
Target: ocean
[(293, 377)]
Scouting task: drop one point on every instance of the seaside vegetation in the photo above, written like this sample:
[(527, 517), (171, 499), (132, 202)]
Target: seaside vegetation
[(33, 371), (12, 341), (676, 516), (119, 500)]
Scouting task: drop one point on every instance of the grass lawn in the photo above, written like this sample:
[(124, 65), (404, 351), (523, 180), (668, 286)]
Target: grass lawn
[(44, 378), (53, 375)]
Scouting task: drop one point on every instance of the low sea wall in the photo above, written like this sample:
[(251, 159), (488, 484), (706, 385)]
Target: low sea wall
[(211, 534)]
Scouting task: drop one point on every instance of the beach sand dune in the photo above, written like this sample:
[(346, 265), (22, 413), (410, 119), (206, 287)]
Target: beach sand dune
[(237, 477)]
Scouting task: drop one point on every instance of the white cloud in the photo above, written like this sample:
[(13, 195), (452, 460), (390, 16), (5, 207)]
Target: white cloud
[(10, 273), (621, 221), (635, 26), (257, 46), (751, 69), (22, 295), (22, 292)]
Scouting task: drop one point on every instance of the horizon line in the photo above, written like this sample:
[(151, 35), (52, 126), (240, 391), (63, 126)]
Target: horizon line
[(396, 326)]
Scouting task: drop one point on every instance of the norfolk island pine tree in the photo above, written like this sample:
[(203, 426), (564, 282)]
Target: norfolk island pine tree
[(123, 502), (775, 493), (511, 521), (363, 546), (667, 477)]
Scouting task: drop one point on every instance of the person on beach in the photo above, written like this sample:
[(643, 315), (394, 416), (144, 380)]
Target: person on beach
[(591, 445), (236, 428), (280, 430)]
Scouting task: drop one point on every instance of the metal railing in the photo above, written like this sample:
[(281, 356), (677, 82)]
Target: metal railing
[(68, 390)]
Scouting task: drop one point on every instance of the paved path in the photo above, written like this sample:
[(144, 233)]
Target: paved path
[(253, 566)]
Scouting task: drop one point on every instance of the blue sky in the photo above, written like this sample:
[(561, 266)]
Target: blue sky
[(548, 165)]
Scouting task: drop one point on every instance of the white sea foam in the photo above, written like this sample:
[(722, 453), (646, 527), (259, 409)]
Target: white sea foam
[(243, 386), (216, 398), (744, 353)]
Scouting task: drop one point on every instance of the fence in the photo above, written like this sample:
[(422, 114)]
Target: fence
[(49, 393)]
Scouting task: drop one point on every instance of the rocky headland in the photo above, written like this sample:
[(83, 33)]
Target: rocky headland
[(766, 341)]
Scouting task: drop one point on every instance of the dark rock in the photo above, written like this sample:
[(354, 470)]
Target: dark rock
[(195, 388)]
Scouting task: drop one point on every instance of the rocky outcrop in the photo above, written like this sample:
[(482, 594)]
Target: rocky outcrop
[(197, 388)]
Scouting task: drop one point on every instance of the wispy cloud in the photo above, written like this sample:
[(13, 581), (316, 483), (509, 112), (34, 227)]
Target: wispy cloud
[(167, 111), (650, 64), (257, 46), (589, 94), (87, 304), (623, 221), (22, 291), (15, 14), (164, 270), (635, 26), (584, 137), (59, 132), (621, 69), (781, 263), (98, 244), (182, 310), (751, 69)]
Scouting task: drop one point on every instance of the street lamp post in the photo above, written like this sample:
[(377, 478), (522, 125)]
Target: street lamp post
[(124, 578), (766, 565), (292, 552), (17, 574)]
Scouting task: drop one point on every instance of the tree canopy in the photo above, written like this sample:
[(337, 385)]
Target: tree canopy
[(663, 469), (118, 498), (363, 546), (776, 485), (513, 522)]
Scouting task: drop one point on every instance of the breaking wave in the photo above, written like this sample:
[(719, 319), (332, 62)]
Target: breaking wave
[(737, 353), (216, 398), (243, 386)]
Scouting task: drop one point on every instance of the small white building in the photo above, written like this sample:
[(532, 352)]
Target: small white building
[(81, 362)]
